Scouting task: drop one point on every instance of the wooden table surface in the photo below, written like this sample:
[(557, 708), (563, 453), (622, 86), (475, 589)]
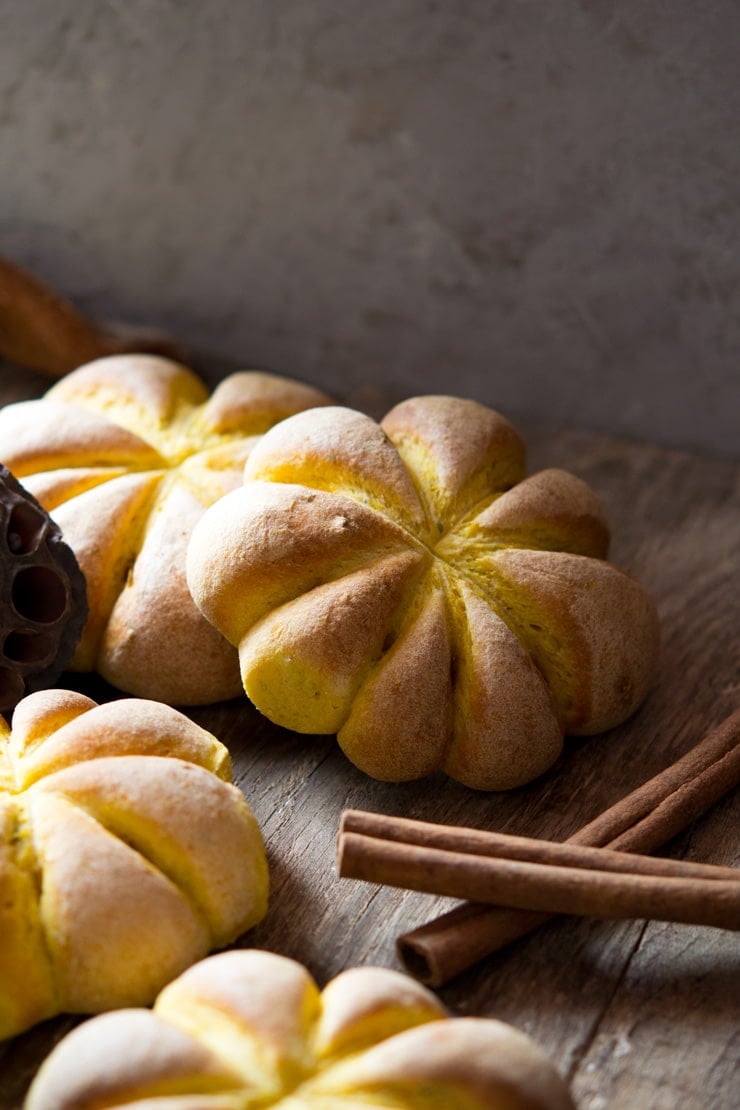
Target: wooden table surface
[(635, 1014)]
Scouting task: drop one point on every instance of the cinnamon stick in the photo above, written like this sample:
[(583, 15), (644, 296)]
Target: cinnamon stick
[(641, 822), (359, 829), (529, 875), (42, 331)]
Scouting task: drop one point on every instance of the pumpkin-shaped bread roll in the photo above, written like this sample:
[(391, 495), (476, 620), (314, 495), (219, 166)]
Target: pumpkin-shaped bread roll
[(125, 854), (248, 1029), (405, 586), (126, 454)]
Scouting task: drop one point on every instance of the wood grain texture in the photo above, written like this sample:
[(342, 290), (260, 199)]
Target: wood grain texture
[(635, 1014)]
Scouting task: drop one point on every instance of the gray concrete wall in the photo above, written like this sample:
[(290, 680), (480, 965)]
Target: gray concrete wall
[(534, 202)]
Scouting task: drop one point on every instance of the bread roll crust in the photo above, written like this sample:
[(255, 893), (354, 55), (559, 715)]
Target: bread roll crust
[(125, 855), (251, 1029), (407, 587), (127, 453)]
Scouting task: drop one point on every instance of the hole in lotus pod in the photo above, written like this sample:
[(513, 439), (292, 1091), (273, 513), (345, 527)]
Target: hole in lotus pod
[(11, 688), (29, 647), (39, 595), (25, 529)]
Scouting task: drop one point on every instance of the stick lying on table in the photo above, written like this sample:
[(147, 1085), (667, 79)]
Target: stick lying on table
[(534, 874), (640, 822), (45, 332)]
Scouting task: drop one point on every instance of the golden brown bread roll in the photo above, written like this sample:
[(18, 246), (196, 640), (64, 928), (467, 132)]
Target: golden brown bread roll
[(249, 1029), (127, 453), (405, 586), (125, 854)]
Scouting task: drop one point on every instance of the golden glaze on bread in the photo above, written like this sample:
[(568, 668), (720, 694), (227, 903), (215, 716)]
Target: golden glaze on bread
[(126, 453), (248, 1029), (125, 854), (406, 586)]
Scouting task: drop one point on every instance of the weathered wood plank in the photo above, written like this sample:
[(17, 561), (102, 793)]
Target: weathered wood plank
[(636, 1014)]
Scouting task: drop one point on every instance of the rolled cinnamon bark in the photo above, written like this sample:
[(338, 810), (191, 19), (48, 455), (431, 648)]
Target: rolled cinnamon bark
[(358, 828), (641, 822), (619, 885)]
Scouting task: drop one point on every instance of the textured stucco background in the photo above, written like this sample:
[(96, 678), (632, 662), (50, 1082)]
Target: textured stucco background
[(533, 202)]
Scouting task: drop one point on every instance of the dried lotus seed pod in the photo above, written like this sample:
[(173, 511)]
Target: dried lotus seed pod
[(43, 597)]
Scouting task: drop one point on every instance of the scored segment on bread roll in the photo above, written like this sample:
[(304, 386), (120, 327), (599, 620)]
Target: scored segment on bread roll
[(406, 586)]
